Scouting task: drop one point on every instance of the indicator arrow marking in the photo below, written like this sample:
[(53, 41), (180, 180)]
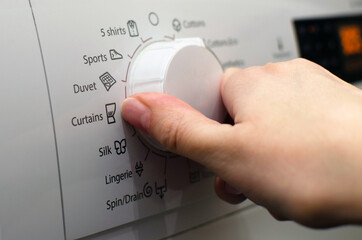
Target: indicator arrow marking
[(170, 37), (144, 41), (129, 64), (134, 131), (148, 149), (134, 51)]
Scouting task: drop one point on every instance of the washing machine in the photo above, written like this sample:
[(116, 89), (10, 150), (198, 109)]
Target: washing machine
[(72, 168)]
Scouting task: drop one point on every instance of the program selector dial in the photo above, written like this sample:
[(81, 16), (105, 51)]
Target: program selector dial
[(183, 68)]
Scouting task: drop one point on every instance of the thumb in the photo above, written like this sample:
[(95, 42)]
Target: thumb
[(179, 127)]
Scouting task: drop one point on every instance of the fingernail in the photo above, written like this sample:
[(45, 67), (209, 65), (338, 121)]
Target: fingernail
[(136, 113), (231, 190)]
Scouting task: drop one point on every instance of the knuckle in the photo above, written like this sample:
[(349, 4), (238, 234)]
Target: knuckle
[(230, 76), (273, 67), (279, 67), (170, 133), (302, 61), (168, 136), (309, 209), (253, 72), (255, 69), (230, 72), (286, 66)]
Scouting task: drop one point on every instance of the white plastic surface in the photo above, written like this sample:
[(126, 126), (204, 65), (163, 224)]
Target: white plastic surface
[(255, 223), (88, 49), (30, 197), (183, 68)]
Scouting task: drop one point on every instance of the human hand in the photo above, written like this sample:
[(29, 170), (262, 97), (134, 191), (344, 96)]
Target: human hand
[(295, 147)]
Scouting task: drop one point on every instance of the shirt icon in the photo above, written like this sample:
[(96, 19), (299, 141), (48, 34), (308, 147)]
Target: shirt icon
[(132, 28)]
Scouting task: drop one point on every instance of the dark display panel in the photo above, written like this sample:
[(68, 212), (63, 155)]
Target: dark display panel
[(334, 43)]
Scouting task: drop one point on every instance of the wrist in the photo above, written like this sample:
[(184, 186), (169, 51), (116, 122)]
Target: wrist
[(351, 156)]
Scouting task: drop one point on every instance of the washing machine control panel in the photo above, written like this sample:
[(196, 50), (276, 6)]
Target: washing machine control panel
[(75, 167), (111, 174)]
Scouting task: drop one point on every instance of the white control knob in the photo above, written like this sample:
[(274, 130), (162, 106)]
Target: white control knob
[(183, 68)]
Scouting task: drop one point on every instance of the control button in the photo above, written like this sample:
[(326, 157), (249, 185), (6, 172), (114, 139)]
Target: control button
[(183, 68), (153, 18)]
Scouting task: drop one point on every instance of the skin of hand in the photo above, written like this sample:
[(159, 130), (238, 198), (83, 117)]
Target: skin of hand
[(295, 147)]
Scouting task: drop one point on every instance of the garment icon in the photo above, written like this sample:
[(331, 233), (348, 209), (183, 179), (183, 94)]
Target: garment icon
[(176, 24), (107, 80), (161, 190), (139, 168), (132, 28), (110, 111), (115, 55)]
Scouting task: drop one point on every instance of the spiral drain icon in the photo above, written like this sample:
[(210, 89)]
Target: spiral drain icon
[(147, 190)]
